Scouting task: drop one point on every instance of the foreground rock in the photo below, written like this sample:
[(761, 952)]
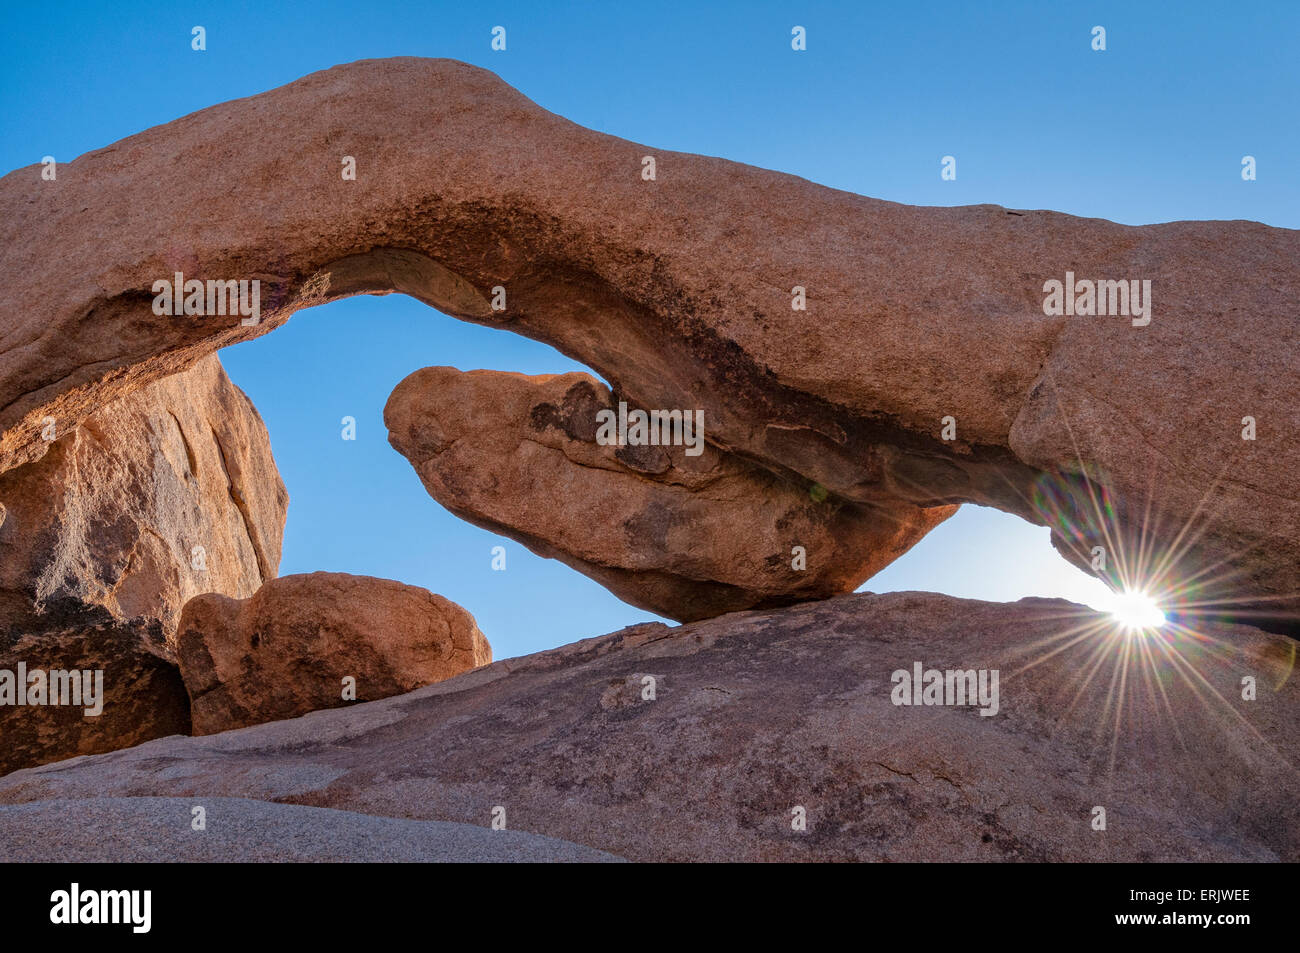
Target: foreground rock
[(688, 532), (679, 292), (759, 713), (293, 647), (158, 830), (156, 498)]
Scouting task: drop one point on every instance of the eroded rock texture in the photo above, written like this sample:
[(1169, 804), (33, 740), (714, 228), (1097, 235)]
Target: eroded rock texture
[(141, 695), (165, 494), (286, 650), (754, 714), (679, 292), (687, 531)]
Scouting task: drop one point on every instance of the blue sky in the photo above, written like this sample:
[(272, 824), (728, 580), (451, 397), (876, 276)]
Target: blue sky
[(1151, 130)]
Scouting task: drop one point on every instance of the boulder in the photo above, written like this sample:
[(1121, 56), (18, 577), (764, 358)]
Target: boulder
[(168, 493), (128, 690), (886, 352), (162, 495), (701, 742), (680, 528), (292, 647)]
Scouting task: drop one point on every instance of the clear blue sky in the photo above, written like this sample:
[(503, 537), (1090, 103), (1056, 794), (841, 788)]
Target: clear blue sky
[(1151, 130)]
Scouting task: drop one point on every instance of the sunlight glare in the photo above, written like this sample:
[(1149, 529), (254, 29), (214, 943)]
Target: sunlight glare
[(1136, 611)]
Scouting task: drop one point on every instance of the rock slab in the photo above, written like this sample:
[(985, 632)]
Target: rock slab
[(755, 714), (158, 830)]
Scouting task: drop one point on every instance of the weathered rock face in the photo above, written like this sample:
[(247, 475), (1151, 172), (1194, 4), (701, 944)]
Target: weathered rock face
[(752, 715), (161, 496), (687, 531), (167, 493), (678, 291), (286, 650), (140, 697)]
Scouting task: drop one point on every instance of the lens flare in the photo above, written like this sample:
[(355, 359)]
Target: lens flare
[(1136, 611)]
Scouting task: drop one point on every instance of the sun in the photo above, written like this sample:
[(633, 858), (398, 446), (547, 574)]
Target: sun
[(1136, 611)]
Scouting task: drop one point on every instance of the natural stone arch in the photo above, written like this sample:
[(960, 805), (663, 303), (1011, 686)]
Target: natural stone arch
[(677, 291)]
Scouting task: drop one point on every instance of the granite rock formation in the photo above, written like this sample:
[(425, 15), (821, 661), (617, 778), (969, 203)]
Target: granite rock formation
[(917, 324), (682, 529), (288, 649), (140, 697), (700, 742), (157, 830), (167, 493)]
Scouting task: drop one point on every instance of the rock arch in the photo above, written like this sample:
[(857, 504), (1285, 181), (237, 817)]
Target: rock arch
[(677, 291)]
